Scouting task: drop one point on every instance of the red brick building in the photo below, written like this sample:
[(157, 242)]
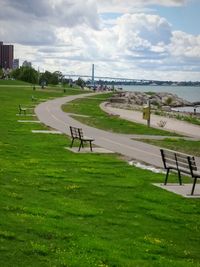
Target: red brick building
[(6, 56)]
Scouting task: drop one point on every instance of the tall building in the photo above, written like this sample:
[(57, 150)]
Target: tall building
[(6, 56), (16, 63), (1, 51)]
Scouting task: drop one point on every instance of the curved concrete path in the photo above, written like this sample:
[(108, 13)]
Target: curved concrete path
[(173, 125), (50, 113)]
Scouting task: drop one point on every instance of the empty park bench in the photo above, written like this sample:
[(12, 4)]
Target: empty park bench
[(33, 98), (182, 163), (22, 110), (77, 133)]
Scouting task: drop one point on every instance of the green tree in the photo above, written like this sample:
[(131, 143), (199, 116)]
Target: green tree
[(26, 74), (59, 75), (80, 82), (54, 79), (29, 74), (15, 74), (45, 77), (50, 78)]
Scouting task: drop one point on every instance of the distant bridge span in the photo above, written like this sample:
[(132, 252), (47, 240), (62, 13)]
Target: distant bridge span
[(106, 78)]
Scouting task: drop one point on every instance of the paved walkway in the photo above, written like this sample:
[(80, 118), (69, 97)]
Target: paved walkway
[(172, 124), (51, 114)]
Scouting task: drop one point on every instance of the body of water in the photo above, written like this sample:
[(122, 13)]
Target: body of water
[(190, 93)]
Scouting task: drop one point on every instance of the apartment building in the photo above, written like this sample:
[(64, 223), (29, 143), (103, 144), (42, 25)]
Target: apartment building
[(6, 56)]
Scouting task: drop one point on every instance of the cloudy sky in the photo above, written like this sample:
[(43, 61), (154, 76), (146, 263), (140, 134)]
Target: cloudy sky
[(142, 39)]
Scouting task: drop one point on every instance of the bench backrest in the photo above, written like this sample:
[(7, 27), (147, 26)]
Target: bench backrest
[(76, 133), (192, 164), (179, 161)]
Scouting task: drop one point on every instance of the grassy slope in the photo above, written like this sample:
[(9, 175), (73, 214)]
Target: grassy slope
[(64, 209), (13, 82), (185, 146), (100, 119)]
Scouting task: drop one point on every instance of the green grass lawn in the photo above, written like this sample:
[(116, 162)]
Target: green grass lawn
[(64, 209), (100, 119), (13, 82), (182, 145)]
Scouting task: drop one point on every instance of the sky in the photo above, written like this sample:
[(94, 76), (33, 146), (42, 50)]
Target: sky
[(137, 39)]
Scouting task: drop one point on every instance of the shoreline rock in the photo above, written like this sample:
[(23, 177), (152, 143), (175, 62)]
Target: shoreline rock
[(162, 100)]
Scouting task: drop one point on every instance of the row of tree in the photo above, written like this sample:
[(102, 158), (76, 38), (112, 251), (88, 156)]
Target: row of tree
[(26, 74), (30, 75)]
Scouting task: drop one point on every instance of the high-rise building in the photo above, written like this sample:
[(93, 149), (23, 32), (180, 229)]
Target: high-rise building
[(6, 56), (1, 50), (16, 63)]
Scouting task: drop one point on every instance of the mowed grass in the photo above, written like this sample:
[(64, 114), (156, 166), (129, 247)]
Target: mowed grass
[(182, 145), (14, 83), (100, 119), (64, 209)]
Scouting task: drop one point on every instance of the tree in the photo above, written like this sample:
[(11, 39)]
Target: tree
[(29, 74), (50, 78), (80, 82), (54, 79), (59, 75), (26, 74), (45, 77)]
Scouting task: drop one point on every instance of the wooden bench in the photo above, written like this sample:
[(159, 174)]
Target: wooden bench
[(77, 133), (33, 98), (22, 110), (182, 163)]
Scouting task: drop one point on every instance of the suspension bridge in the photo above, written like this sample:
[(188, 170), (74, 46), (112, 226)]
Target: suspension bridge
[(92, 78)]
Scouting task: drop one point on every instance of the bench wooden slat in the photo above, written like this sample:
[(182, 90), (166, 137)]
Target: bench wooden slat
[(22, 109), (180, 162), (77, 133)]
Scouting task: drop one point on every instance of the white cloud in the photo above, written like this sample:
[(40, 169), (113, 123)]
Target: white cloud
[(185, 45), (26, 21), (67, 35), (127, 6), (142, 33)]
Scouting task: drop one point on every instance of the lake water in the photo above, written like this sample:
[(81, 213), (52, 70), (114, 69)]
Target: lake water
[(190, 93)]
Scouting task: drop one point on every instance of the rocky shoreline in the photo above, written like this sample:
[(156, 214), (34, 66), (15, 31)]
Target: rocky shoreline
[(136, 100)]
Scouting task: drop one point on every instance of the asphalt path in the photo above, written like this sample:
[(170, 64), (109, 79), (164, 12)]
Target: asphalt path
[(51, 114), (172, 124)]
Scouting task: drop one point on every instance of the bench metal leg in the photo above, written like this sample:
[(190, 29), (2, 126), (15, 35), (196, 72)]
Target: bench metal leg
[(72, 142), (91, 146), (193, 187), (81, 145), (179, 177), (166, 177)]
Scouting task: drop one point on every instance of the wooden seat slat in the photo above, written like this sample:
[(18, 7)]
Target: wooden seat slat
[(180, 162), (22, 110), (77, 133)]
